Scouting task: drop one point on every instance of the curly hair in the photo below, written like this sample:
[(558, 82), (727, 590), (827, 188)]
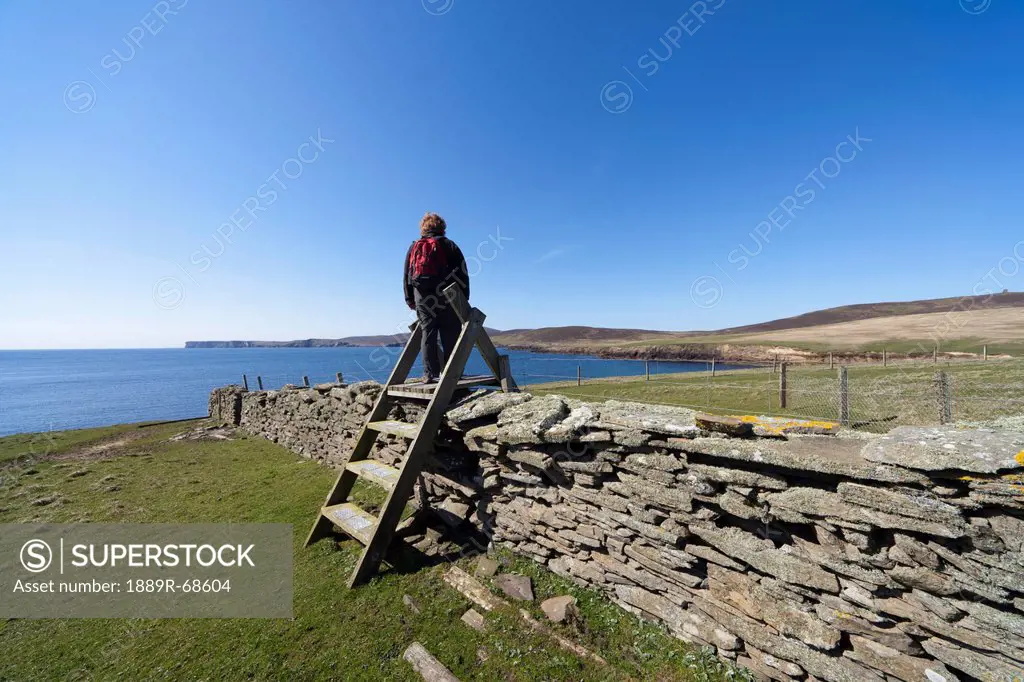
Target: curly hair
[(432, 224)]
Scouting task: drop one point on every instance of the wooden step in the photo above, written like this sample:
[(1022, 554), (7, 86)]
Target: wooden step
[(356, 522), (395, 428), (426, 391), (375, 472)]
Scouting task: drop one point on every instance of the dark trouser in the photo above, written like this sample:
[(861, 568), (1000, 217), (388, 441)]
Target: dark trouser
[(436, 319)]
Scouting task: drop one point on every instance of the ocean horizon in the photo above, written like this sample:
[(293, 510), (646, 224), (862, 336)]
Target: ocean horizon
[(58, 389)]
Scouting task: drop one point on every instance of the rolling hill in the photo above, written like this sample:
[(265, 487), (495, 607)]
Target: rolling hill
[(953, 325)]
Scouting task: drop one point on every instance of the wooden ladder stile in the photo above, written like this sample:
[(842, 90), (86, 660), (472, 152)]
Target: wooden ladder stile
[(376, 533)]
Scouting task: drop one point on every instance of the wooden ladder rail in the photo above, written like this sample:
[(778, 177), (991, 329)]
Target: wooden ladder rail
[(401, 481)]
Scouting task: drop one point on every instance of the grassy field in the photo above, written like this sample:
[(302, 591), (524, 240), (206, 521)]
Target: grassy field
[(135, 474), (958, 328), (881, 397)]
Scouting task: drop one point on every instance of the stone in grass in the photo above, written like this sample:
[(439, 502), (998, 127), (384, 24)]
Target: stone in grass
[(43, 501), (561, 609), (76, 474), (515, 586), (486, 567), (411, 604), (474, 619)]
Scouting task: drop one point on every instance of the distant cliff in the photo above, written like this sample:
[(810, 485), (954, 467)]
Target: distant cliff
[(302, 343)]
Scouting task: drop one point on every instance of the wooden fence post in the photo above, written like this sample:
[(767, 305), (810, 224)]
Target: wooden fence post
[(831, 365), (984, 352), (782, 386), (579, 375), (935, 354), (259, 381), (338, 377), (245, 382), (885, 358), (943, 397), (647, 369), (305, 381), (712, 367), (844, 397)]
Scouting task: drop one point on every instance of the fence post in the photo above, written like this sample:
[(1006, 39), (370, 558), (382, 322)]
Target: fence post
[(935, 354), (831, 365), (885, 358), (984, 352), (245, 382), (844, 397), (305, 381), (782, 386), (712, 367), (647, 369), (579, 376), (259, 381), (945, 400)]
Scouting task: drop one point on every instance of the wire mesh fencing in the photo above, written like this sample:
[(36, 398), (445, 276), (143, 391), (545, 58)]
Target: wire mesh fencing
[(867, 396)]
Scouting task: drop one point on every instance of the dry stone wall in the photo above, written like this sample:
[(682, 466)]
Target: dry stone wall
[(834, 557)]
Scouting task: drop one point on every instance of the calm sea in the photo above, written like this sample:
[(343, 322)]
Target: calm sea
[(70, 389)]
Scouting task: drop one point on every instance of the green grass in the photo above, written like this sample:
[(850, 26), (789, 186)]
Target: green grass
[(902, 393), (28, 446), (336, 633)]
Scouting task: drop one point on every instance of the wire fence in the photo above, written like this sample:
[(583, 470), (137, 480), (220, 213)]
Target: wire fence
[(868, 396), (873, 396)]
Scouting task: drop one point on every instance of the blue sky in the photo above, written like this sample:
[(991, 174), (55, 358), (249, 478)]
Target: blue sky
[(605, 163)]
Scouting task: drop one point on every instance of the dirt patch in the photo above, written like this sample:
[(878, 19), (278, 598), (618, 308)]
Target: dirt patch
[(207, 433)]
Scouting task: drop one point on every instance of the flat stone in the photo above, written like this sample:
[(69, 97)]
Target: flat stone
[(844, 621), (486, 567), (924, 579), (661, 419), (713, 556), (819, 454), (527, 422), (840, 563), (654, 604), (1012, 624), (821, 665), (535, 458), (783, 426), (592, 467), (515, 586), (560, 609), (733, 476), (739, 506), (576, 425), (782, 565), (942, 608), (668, 463), (977, 665), (730, 426), (947, 448), (411, 604), (748, 596), (487, 405), (453, 513), (825, 504), (917, 551), (903, 501), (474, 619), (670, 498), (896, 663)]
